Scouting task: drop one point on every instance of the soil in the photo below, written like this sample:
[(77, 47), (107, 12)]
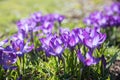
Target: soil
[(115, 70)]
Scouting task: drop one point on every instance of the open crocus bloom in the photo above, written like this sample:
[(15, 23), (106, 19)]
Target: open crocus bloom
[(20, 48), (88, 60), (26, 24), (56, 47), (94, 39), (52, 45), (46, 41), (7, 58), (47, 27)]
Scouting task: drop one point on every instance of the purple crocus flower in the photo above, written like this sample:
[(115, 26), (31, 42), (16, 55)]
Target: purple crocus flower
[(20, 48), (3, 42), (8, 58), (52, 45), (58, 18), (89, 37), (73, 39), (114, 17), (64, 34), (56, 47), (95, 41), (109, 17), (47, 27), (80, 33), (46, 41), (54, 17), (88, 60), (19, 35), (93, 37), (113, 9), (26, 24), (38, 22), (37, 17), (96, 19)]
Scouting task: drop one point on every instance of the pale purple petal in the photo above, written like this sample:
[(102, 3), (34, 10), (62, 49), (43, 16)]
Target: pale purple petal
[(88, 42), (95, 41), (80, 56)]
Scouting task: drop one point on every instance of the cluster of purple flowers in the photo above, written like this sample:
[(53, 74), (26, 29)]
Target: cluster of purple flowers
[(91, 38), (20, 43), (9, 52), (39, 22), (109, 17), (53, 44)]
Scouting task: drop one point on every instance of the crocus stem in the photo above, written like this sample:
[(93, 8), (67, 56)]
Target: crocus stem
[(23, 64), (84, 48), (103, 65), (8, 72), (56, 63), (88, 72), (0, 72), (20, 65), (80, 74), (63, 60), (72, 61)]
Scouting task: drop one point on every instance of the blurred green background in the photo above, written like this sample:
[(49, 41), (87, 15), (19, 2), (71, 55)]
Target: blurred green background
[(13, 10)]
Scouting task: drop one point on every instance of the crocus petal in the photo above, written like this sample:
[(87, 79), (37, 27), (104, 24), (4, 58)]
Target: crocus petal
[(81, 37), (28, 48), (96, 60), (95, 41), (72, 42), (3, 42), (58, 49), (102, 39), (52, 53), (89, 59), (88, 43), (19, 53), (92, 33), (81, 57), (37, 29)]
